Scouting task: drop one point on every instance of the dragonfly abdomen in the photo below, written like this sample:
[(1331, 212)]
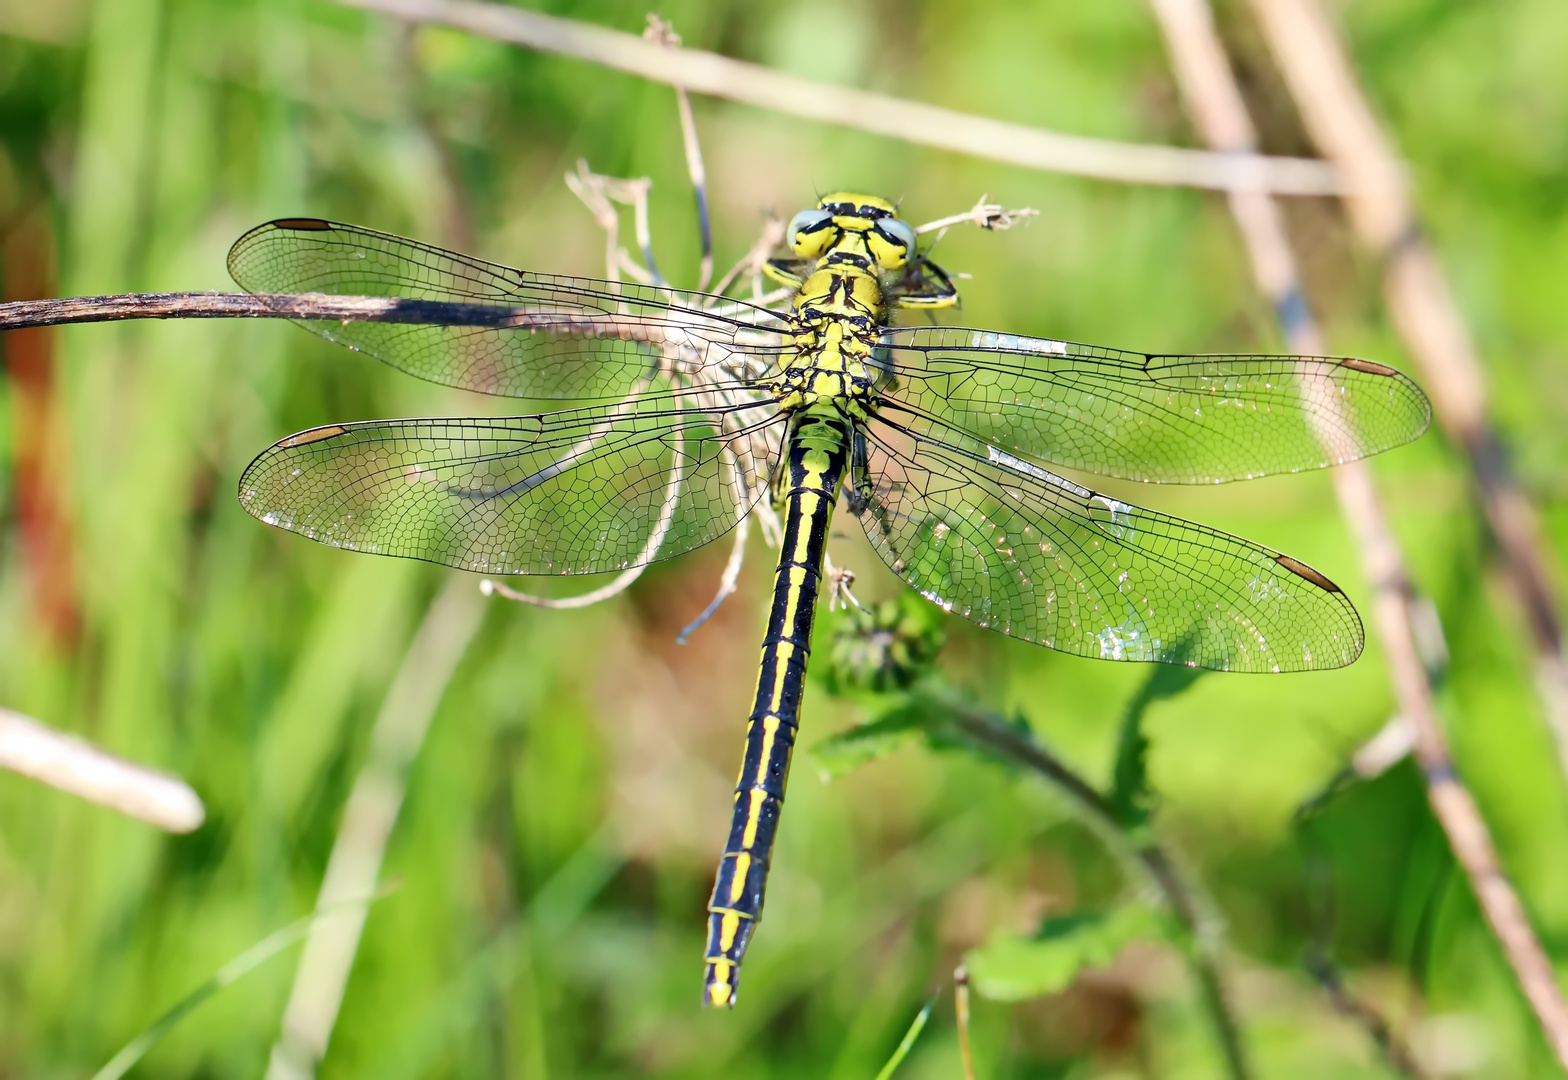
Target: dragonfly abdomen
[(818, 456)]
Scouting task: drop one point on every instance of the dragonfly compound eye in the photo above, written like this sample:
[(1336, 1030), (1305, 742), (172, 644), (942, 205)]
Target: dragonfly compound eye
[(892, 243), (810, 233)]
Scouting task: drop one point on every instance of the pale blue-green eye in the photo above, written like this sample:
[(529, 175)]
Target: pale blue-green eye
[(898, 232), (807, 221)]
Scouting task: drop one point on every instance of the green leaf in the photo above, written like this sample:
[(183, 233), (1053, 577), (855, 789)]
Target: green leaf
[(1011, 967), (848, 750), (1132, 799)]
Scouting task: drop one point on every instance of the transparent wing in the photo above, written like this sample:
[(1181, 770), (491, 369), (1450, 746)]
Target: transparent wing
[(1015, 548), (517, 334), (575, 492), (1143, 416)]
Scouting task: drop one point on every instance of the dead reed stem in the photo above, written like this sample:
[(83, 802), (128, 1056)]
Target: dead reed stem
[(1209, 87), (1340, 120)]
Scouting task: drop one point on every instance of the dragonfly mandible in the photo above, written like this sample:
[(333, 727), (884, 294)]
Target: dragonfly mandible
[(679, 412)]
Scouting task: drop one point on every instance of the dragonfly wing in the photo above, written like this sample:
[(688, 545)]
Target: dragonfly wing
[(1017, 549), (1162, 418), (480, 326), (577, 492)]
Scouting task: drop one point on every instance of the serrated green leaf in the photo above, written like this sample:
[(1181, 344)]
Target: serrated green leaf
[(848, 750), (1132, 799), (1011, 967)]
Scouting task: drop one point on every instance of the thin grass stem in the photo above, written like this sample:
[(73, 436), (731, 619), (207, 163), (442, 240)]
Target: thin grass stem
[(227, 975), (961, 1015), (908, 1041)]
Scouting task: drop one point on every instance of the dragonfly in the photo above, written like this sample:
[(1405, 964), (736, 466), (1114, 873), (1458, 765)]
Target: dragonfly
[(671, 415)]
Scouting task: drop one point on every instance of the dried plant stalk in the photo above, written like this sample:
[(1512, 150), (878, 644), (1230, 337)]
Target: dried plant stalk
[(76, 766), (927, 125), (1215, 101)]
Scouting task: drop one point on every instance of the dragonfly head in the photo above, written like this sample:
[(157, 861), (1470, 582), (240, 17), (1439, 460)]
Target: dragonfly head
[(845, 220)]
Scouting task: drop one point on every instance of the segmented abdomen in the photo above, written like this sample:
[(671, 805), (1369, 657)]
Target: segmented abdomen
[(819, 449)]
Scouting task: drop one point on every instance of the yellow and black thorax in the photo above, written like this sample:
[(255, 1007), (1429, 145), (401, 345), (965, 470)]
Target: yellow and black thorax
[(851, 260)]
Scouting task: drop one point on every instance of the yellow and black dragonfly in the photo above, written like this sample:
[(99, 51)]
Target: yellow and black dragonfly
[(677, 413)]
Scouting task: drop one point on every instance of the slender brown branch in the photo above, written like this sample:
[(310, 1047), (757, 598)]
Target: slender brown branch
[(1340, 120), (752, 84), (1217, 106), (1017, 746), (22, 314), (316, 306), (1394, 1051)]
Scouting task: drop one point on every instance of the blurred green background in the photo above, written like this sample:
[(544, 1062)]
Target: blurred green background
[(142, 608)]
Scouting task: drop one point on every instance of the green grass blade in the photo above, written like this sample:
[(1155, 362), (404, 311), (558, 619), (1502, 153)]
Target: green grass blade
[(909, 1039), (229, 973)]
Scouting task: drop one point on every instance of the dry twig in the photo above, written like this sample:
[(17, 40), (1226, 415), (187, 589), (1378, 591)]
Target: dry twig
[(1216, 103), (75, 766), (927, 125), (21, 314), (1341, 122)]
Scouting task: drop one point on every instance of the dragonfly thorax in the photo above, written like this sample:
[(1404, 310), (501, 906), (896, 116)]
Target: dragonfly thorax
[(837, 318), (852, 260)]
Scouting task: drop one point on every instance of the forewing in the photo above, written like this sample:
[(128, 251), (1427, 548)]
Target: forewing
[(577, 492), (489, 328), (1162, 418), (1017, 549)]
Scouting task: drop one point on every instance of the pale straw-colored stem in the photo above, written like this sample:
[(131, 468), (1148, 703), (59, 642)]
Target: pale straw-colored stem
[(664, 34), (927, 125), (1393, 743), (750, 264), (354, 867), (1341, 122), (1218, 109), (79, 768), (491, 587), (672, 498), (731, 576), (986, 214), (588, 186), (599, 193)]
